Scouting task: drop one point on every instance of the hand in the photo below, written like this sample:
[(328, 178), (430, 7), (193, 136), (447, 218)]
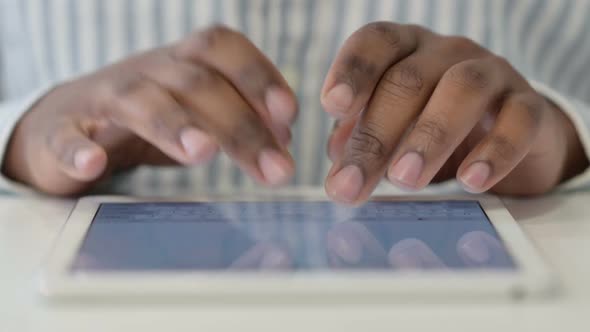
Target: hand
[(422, 107), (176, 104)]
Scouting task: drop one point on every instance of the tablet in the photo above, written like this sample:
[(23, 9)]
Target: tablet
[(294, 247)]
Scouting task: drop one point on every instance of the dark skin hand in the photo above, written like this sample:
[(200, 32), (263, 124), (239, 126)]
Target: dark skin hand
[(418, 107), (178, 104), (413, 105)]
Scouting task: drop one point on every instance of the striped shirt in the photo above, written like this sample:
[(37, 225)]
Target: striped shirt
[(43, 42)]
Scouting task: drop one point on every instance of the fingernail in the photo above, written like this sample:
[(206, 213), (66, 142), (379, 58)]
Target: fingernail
[(408, 169), (477, 251), (280, 106), (476, 175), (275, 168), (197, 144), (339, 99), (345, 186), (83, 158)]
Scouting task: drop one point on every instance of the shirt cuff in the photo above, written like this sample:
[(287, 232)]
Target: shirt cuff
[(10, 113), (573, 110)]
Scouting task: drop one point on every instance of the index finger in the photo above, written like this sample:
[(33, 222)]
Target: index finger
[(353, 76), (246, 67)]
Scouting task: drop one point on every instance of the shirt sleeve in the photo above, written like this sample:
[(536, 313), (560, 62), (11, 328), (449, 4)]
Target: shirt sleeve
[(10, 113), (579, 113)]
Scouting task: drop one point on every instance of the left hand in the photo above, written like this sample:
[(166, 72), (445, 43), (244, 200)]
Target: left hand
[(421, 107)]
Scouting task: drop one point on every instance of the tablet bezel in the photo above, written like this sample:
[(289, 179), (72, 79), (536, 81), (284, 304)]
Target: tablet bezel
[(530, 278)]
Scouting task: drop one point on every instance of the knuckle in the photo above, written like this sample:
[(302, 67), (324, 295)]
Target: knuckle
[(500, 61), (196, 78), (111, 97), (256, 78), (212, 35), (366, 144), (471, 75), (127, 88), (161, 124), (417, 29), (501, 64), (358, 72), (432, 132), (116, 89), (130, 102), (532, 105), (387, 31), (460, 44), (201, 40), (161, 127), (502, 149), (105, 100), (245, 134), (403, 81)]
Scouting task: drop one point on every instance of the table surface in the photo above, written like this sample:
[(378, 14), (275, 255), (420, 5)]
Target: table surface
[(559, 226)]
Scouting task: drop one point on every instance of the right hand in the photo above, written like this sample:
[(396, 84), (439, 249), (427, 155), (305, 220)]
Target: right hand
[(175, 104)]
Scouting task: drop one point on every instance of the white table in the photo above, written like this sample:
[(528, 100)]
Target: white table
[(559, 225)]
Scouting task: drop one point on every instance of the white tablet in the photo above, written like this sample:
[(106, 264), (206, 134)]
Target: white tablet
[(294, 247)]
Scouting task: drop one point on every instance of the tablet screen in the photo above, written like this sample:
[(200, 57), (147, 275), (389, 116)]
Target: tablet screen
[(290, 235)]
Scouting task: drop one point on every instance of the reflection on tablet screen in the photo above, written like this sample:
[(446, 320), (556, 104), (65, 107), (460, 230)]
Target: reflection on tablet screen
[(290, 235)]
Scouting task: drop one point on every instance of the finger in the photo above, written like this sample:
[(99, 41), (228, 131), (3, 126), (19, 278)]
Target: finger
[(464, 94), (412, 253), (75, 153), (282, 134), (351, 244), (263, 256), (339, 136), (147, 109), (198, 145), (517, 126), (214, 106), (400, 96), (361, 62), (253, 75), (479, 249), (126, 150)]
